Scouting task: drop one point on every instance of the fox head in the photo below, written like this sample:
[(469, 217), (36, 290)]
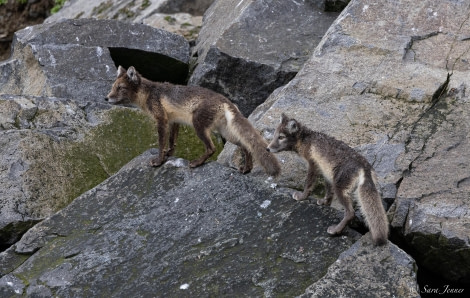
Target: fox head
[(285, 136), (125, 87)]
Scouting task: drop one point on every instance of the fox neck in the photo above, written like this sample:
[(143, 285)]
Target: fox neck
[(142, 95), (301, 137), (141, 99)]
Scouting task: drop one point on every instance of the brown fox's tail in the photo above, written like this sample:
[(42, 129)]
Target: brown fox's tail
[(372, 208), (251, 139)]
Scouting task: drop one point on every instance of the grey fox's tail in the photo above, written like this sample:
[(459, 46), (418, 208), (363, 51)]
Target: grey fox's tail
[(372, 208), (251, 139)]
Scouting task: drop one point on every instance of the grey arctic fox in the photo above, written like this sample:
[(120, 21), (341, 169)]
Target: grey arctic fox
[(205, 110), (347, 174)]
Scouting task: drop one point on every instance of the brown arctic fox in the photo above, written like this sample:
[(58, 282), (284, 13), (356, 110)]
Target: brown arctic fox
[(205, 110), (345, 171)]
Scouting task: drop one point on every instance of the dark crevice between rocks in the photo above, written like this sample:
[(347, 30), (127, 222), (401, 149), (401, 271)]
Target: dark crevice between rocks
[(430, 284), (12, 233), (335, 5), (153, 66)]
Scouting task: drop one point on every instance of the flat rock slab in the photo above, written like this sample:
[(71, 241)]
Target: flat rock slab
[(78, 58), (177, 232), (246, 49)]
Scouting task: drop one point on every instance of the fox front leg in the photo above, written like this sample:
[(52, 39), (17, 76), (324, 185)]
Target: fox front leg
[(309, 182), (162, 135), (328, 195), (173, 136)]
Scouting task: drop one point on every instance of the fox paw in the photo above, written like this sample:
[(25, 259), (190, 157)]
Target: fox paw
[(298, 196), (156, 162), (334, 230), (244, 170), (325, 201), (194, 164)]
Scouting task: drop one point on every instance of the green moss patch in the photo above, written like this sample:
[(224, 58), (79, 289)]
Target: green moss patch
[(64, 169)]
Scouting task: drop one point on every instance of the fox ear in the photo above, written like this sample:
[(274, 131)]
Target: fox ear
[(292, 126), (284, 118), (133, 75), (121, 71)]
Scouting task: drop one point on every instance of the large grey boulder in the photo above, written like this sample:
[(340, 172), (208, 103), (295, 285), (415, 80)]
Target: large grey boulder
[(183, 17), (246, 49), (78, 58), (389, 78), (58, 137), (179, 232), (343, 280)]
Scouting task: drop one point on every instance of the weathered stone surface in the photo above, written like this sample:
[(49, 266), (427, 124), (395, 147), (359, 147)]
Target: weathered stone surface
[(180, 23), (127, 10), (246, 49), (343, 280), (145, 231), (379, 81), (53, 149), (77, 58)]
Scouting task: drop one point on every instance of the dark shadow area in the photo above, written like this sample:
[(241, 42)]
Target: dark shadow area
[(12, 233), (153, 66), (429, 282), (431, 285)]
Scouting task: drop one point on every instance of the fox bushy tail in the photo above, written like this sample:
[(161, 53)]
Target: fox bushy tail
[(251, 139), (372, 208)]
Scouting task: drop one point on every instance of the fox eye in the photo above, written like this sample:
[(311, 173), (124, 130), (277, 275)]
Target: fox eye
[(282, 137)]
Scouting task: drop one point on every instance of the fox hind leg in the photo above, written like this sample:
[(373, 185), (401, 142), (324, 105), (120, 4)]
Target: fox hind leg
[(204, 135), (346, 201), (248, 165)]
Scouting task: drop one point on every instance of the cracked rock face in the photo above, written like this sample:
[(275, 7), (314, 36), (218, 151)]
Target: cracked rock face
[(146, 230), (393, 84), (246, 49)]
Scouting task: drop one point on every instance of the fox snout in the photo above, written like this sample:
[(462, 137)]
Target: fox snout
[(271, 148), (109, 100)]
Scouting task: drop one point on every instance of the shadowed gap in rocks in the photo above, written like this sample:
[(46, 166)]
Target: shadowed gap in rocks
[(153, 66)]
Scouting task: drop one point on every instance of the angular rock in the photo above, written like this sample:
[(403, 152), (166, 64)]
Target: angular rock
[(208, 231), (397, 94), (78, 58), (246, 49), (385, 271), (54, 149)]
